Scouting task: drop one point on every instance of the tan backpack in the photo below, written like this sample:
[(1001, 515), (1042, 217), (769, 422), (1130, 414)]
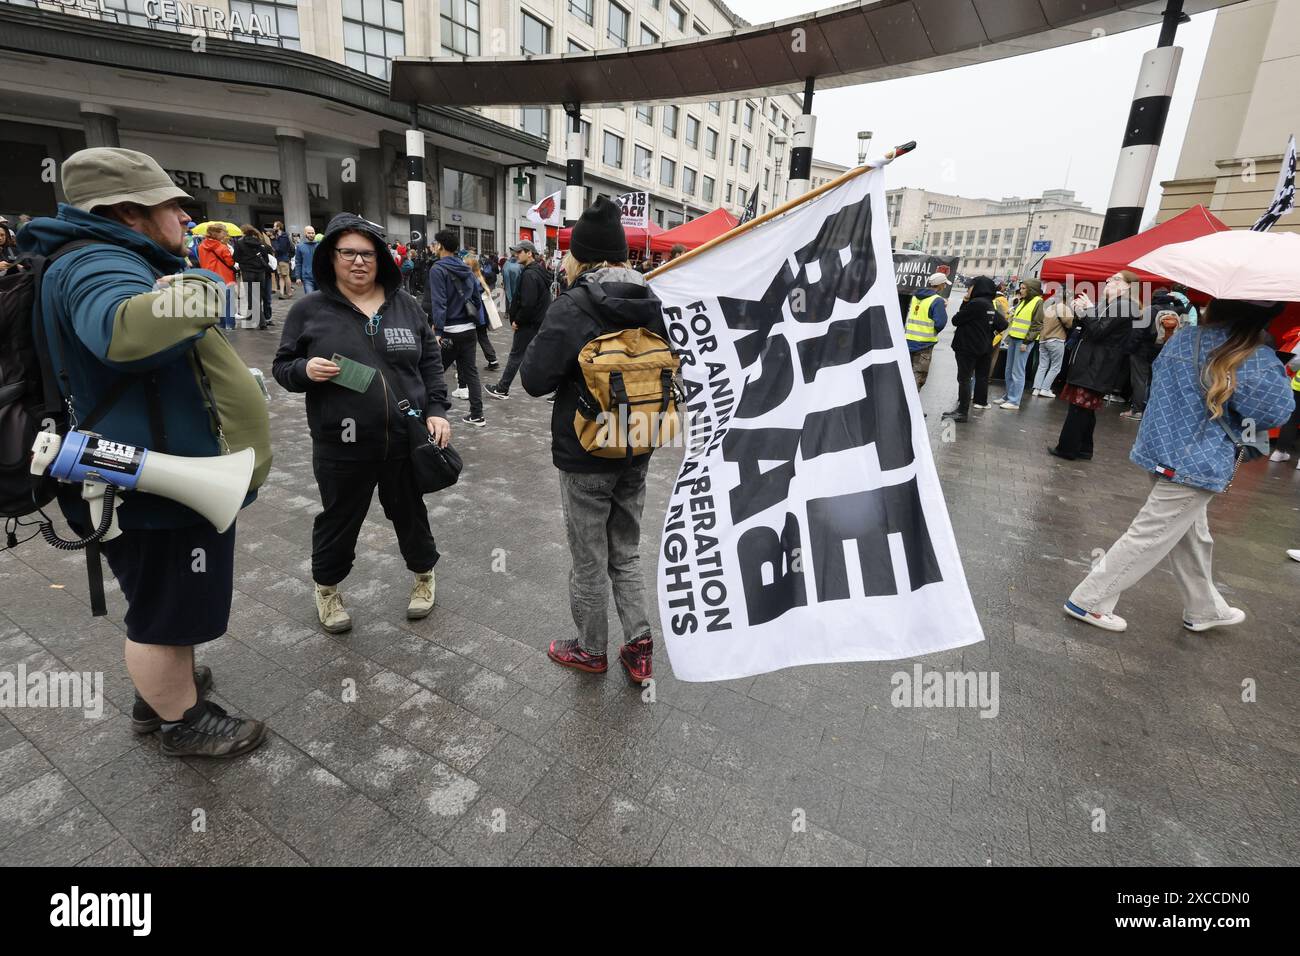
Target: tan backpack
[(629, 403)]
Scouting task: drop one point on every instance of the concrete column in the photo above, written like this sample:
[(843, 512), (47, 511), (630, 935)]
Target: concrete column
[(370, 172), (100, 125), (292, 145)]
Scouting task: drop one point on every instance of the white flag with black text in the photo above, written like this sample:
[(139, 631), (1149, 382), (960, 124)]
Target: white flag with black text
[(807, 524), (1284, 195)]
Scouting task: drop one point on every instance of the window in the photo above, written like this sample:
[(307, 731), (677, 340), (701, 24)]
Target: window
[(613, 152), (535, 120), (283, 15), (957, 241), (583, 10), (670, 121), (677, 17), (701, 29), (749, 116), (996, 237), (774, 114), (1020, 236), (707, 192), (947, 238), (728, 193), (648, 36), (646, 114), (715, 107), (741, 196), (372, 35), (767, 177), (641, 162), (710, 143), (692, 132), (489, 238), (770, 141), (731, 152), (667, 171), (618, 24), (735, 110), (785, 124), (688, 180), (586, 139), (984, 237), (468, 191), (575, 47), (744, 156), (536, 38)]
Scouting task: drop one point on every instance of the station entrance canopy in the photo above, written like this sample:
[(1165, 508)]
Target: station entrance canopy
[(847, 45)]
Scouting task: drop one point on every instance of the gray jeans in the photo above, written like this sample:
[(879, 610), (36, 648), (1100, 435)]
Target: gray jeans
[(1051, 353), (1172, 523), (602, 517)]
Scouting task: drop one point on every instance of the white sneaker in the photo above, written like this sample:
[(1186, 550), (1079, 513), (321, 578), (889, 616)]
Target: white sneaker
[(1107, 622), (1294, 555), (977, 405), (1235, 616), (1010, 406), (461, 393), (1280, 456)]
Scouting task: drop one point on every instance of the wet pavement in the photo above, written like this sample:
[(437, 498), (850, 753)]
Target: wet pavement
[(454, 740)]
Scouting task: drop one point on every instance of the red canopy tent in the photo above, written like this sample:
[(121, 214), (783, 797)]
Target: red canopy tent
[(636, 236), (695, 233), (1103, 262)]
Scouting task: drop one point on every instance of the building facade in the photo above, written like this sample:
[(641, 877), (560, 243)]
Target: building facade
[(911, 210), (1247, 104), (262, 111), (998, 241), (691, 158)]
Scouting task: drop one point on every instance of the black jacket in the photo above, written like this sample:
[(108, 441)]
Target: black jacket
[(403, 351), (250, 255), (977, 320), (1103, 352), (530, 302), (622, 300)]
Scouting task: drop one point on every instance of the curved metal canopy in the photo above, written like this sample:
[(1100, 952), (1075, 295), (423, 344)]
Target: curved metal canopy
[(855, 43)]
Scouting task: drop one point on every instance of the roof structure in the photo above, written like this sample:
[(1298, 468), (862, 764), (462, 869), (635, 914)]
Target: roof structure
[(860, 42)]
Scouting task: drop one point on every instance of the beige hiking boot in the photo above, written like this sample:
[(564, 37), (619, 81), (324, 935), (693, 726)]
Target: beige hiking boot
[(421, 597), (329, 608)]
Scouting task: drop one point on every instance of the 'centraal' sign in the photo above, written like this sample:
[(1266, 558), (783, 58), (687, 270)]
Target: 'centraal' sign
[(196, 15), (260, 185)]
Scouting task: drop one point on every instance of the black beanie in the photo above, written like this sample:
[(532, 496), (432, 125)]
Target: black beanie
[(598, 235)]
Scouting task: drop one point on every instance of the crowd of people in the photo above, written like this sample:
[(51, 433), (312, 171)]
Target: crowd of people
[(372, 341)]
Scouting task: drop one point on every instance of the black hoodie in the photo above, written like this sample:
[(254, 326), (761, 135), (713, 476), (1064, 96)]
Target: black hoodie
[(623, 301), (250, 255), (346, 424), (977, 319)]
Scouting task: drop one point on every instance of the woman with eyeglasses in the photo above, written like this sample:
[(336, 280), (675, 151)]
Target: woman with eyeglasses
[(356, 410)]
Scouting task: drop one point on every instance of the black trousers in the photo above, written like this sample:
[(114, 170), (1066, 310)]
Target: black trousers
[(259, 287), (523, 335), (485, 343), (1139, 376), (969, 365), (1076, 432), (346, 488), (464, 352)]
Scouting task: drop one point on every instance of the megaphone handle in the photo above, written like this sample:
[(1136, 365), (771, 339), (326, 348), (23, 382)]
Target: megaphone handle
[(92, 492)]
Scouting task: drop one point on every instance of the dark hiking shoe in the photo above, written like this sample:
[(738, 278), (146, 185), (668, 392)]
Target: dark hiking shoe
[(207, 730), (635, 657), (496, 391), (493, 366), (571, 654), (143, 718)]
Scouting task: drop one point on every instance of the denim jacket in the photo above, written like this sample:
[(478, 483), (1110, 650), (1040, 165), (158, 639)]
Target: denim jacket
[(1177, 438)]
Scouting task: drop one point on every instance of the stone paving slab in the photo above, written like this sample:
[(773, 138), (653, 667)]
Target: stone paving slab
[(465, 745)]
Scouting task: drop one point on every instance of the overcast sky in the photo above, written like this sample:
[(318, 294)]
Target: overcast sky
[(1009, 128)]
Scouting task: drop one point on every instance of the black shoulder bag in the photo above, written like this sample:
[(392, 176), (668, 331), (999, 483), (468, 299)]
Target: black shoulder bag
[(435, 468)]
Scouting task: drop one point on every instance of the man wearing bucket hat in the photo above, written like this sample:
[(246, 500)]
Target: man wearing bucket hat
[(926, 317), (141, 361)]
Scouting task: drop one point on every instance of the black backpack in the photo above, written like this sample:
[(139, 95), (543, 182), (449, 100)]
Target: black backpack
[(29, 393)]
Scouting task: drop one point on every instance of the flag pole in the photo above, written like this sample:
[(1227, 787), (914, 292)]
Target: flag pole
[(779, 210)]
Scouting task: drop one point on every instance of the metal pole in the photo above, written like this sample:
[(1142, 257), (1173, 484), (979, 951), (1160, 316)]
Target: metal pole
[(805, 131), (1146, 126), (574, 195), (417, 200)]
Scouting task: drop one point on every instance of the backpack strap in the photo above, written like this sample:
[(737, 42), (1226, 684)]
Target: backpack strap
[(54, 397), (618, 392)]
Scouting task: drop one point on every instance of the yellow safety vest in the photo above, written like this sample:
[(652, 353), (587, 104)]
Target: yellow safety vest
[(1020, 322), (920, 324), (1295, 381)]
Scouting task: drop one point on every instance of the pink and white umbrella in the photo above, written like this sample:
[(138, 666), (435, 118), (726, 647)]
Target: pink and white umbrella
[(1238, 264)]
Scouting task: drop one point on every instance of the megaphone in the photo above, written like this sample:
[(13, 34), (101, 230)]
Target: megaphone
[(215, 487)]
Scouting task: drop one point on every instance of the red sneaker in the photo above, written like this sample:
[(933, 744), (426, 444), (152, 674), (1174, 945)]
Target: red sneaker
[(571, 654), (635, 657)]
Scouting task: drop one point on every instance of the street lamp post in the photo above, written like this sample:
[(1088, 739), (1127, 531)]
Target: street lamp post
[(925, 228), (864, 141), (1029, 235), (777, 197)]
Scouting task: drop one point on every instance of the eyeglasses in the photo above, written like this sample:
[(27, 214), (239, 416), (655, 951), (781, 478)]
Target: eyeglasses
[(351, 255)]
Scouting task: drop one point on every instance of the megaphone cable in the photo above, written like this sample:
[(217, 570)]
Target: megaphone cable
[(67, 544)]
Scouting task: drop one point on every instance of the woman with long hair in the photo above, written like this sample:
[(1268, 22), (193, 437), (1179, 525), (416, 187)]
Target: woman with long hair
[(1101, 355), (1211, 384), (253, 256)]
